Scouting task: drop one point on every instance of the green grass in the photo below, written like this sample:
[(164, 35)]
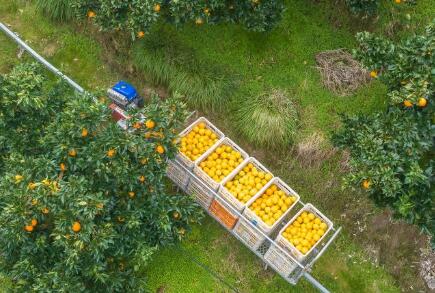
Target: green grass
[(344, 270), (217, 67)]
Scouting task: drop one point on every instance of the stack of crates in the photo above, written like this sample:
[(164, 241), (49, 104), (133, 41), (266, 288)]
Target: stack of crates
[(220, 209), (244, 218)]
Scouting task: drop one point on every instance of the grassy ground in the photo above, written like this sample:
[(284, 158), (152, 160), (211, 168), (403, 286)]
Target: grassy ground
[(245, 64)]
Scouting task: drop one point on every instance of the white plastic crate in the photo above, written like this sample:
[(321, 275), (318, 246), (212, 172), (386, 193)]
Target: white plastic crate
[(252, 237), (284, 243), (177, 174), (251, 216), (201, 174), (227, 195), (248, 234), (202, 195), (183, 158), (279, 261)]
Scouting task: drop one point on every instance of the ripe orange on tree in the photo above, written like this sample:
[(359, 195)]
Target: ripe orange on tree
[(366, 184), (157, 7), (407, 103), (111, 153), (72, 153), (76, 227), (141, 34), (422, 102), (34, 222), (84, 132), (150, 124), (62, 167), (29, 228), (160, 149)]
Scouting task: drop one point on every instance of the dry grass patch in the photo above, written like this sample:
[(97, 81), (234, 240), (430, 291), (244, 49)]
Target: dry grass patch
[(311, 152), (340, 72)]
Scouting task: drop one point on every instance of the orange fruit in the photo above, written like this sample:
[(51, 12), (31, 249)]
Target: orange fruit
[(84, 132), (366, 184), (140, 34), (199, 21), (136, 125), (91, 14), (34, 222), (111, 153), (374, 73), (31, 186), (422, 102), (72, 153), (29, 228), (76, 226), (160, 149), (157, 8), (407, 103), (131, 194), (45, 211), (176, 215), (62, 167), (150, 124), (397, 1), (142, 178)]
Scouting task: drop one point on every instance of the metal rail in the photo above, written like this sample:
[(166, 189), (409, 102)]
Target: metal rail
[(79, 89), (40, 59), (303, 268)]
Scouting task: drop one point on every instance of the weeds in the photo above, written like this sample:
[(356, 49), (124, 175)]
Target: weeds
[(268, 120), (167, 62)]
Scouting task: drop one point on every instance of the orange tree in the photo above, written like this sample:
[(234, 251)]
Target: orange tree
[(22, 95), (87, 211), (392, 153), (137, 16)]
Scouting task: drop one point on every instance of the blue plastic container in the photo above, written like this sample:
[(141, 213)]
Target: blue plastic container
[(125, 89)]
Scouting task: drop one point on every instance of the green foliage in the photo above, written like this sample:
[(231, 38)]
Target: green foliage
[(269, 119), (89, 171), (407, 68), (167, 62), (364, 7), (58, 10), (392, 152), (138, 16), (23, 94)]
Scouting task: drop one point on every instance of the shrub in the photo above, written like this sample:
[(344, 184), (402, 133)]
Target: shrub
[(392, 153), (366, 8), (87, 212), (138, 16), (390, 161), (26, 108), (406, 67), (58, 10), (269, 119)]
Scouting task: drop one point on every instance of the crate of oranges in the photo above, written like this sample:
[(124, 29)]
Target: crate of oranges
[(266, 211), (244, 183), (218, 163), (196, 139), (304, 231)]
